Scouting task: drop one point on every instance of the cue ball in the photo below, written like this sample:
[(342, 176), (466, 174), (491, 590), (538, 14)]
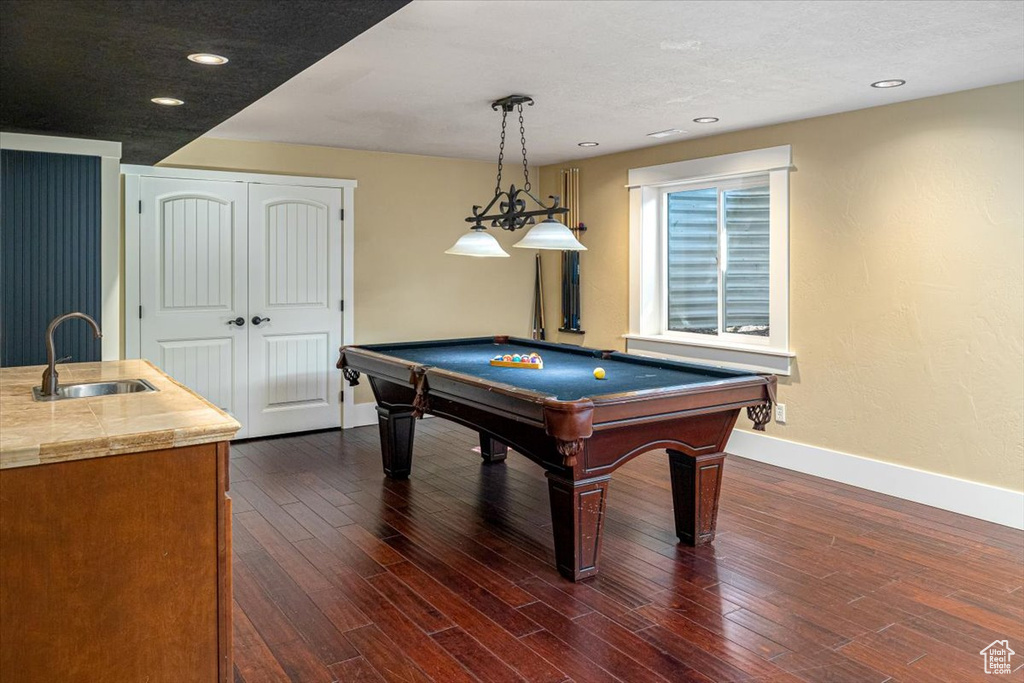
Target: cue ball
[(598, 373)]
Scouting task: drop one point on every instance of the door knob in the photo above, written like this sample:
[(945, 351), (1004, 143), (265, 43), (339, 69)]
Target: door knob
[(237, 321), (256, 320)]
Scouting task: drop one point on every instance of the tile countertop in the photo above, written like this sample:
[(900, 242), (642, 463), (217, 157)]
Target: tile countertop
[(38, 433)]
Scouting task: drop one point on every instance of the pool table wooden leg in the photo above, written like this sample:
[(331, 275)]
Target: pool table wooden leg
[(577, 519), (696, 484), (397, 428), (492, 450)]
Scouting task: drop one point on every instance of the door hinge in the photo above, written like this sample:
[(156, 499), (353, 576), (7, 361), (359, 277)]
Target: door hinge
[(342, 212), (140, 206), (140, 312), (342, 305)]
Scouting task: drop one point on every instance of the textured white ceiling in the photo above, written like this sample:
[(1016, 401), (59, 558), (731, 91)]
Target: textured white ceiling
[(612, 71)]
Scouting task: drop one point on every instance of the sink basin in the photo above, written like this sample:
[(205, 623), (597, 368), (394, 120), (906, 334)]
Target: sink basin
[(87, 389)]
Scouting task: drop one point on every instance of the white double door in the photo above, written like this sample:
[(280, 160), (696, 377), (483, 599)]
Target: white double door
[(240, 286)]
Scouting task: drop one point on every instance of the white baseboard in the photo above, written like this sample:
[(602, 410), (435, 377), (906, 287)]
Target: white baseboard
[(981, 501)]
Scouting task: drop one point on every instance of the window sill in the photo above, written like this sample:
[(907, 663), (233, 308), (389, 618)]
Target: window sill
[(758, 359)]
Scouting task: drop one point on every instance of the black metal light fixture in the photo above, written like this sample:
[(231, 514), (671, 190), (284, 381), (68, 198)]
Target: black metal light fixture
[(510, 206)]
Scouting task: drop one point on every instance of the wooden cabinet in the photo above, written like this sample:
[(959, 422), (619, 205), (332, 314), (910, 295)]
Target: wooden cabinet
[(117, 568)]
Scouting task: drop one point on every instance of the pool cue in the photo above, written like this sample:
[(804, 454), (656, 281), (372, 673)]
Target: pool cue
[(566, 302), (539, 294), (536, 323), (572, 255), (573, 258)]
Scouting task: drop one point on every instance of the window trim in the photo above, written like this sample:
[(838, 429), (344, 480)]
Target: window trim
[(648, 289)]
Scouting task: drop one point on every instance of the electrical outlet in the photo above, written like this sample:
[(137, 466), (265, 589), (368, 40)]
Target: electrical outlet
[(780, 413)]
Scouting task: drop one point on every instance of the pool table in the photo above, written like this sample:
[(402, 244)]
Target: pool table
[(577, 427)]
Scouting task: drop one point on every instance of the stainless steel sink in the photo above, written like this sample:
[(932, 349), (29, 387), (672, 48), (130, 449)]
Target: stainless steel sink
[(87, 389)]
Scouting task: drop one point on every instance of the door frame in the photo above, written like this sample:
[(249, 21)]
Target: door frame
[(133, 174)]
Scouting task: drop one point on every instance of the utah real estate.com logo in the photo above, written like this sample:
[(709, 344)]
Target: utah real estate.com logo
[(997, 657)]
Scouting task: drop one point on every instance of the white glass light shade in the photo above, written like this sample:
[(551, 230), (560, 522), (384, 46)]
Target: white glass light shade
[(550, 235), (478, 243)]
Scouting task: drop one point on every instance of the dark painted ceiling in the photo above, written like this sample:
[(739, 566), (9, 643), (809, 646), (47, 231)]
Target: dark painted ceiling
[(88, 68)]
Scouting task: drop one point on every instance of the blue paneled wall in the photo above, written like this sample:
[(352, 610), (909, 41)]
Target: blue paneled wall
[(49, 254)]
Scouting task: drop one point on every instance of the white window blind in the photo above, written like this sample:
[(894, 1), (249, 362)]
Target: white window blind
[(718, 258)]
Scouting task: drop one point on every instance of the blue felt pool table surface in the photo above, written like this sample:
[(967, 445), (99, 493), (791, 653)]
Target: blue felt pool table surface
[(568, 372)]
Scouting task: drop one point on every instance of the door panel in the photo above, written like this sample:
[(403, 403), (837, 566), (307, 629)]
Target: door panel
[(295, 372), (295, 281), (193, 280), (297, 254), (202, 365), (197, 261)]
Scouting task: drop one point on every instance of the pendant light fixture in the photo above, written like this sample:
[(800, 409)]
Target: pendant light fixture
[(510, 206), (477, 242)]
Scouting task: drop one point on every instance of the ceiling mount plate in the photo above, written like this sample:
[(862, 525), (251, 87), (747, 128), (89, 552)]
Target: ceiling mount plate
[(511, 102)]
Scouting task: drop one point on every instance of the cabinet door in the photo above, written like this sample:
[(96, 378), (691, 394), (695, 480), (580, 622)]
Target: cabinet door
[(294, 308), (194, 285)]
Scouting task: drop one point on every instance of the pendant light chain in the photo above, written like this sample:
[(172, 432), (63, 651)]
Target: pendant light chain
[(501, 148), (522, 138), (510, 208)]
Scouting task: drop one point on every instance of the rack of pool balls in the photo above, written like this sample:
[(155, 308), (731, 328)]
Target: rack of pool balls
[(515, 360)]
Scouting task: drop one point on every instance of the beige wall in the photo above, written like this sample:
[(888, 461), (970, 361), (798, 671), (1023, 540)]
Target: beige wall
[(408, 210), (906, 293)]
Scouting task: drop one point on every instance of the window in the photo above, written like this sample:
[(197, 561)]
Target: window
[(710, 260)]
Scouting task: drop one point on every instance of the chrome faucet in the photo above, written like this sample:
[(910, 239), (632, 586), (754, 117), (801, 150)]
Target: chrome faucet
[(50, 385)]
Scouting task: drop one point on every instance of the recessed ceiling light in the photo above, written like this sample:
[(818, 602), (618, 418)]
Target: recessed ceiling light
[(891, 83), (706, 119), (168, 101), (207, 58), (665, 133), (587, 144)]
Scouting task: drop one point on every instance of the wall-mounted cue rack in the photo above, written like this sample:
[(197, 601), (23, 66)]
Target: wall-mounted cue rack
[(571, 310)]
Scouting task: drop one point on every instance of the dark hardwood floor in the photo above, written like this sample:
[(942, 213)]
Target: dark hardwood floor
[(341, 574)]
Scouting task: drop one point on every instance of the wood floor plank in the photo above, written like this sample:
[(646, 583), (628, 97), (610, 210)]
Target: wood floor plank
[(300, 663), (654, 658), (270, 510), (269, 620), (390, 620), (355, 670), (421, 612), (481, 599), (475, 657), (611, 659), (385, 657), (577, 665), (499, 641), (253, 659), (272, 543), (301, 612)]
